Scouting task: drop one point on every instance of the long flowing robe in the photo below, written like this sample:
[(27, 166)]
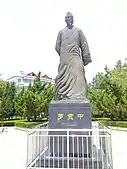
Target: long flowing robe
[(72, 47)]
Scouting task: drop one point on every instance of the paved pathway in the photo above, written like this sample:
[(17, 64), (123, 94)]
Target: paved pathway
[(119, 145), (13, 149)]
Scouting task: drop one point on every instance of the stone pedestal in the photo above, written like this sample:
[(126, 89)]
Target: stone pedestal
[(70, 115), (72, 149), (95, 162)]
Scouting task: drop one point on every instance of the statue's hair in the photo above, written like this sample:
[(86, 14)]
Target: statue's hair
[(68, 13)]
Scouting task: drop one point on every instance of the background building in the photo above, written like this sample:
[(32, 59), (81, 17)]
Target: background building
[(26, 79)]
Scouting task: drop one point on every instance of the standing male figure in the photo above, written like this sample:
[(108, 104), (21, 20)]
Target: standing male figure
[(72, 47)]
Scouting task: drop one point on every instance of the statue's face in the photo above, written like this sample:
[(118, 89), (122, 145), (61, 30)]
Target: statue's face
[(69, 19)]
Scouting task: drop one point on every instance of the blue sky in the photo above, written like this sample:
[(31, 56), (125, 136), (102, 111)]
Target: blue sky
[(28, 31)]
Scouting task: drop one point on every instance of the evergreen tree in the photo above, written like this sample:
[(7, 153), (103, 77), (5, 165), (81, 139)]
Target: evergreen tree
[(2, 87), (37, 84), (7, 100), (36, 99), (11, 94), (28, 105), (108, 94), (19, 103)]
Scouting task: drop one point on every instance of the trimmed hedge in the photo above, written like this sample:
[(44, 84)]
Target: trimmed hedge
[(21, 123), (7, 123), (115, 123), (108, 122), (26, 124), (100, 119)]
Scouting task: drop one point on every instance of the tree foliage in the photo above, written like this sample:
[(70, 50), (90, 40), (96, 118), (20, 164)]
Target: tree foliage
[(108, 93), (7, 99), (18, 103), (34, 100), (31, 103)]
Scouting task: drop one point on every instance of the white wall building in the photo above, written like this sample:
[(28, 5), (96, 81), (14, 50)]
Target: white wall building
[(26, 79)]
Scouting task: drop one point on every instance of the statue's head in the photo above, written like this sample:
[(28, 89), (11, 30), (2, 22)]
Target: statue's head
[(69, 19)]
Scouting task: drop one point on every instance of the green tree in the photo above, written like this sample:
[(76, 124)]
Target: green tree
[(28, 105), (11, 95), (6, 104), (32, 103), (2, 87), (7, 100), (19, 103), (37, 84), (5, 107), (48, 95), (36, 99), (108, 92)]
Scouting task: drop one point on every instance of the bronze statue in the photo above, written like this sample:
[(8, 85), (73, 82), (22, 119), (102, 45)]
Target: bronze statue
[(72, 47)]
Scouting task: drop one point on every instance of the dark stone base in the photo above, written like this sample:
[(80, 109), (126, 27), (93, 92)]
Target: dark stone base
[(78, 146), (47, 161), (78, 155), (63, 163), (70, 114)]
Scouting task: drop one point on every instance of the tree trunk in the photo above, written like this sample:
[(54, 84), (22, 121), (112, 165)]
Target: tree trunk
[(35, 118)]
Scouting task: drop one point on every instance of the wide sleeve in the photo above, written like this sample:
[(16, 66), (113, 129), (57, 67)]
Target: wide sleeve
[(84, 49), (58, 43)]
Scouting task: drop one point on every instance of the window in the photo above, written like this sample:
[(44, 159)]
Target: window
[(19, 80), (27, 80)]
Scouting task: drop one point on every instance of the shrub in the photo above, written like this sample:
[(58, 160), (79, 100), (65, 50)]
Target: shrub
[(100, 119), (26, 124), (7, 123), (107, 122), (21, 123), (115, 123)]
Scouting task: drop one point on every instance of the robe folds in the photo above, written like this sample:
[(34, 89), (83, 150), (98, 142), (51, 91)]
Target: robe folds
[(72, 47)]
